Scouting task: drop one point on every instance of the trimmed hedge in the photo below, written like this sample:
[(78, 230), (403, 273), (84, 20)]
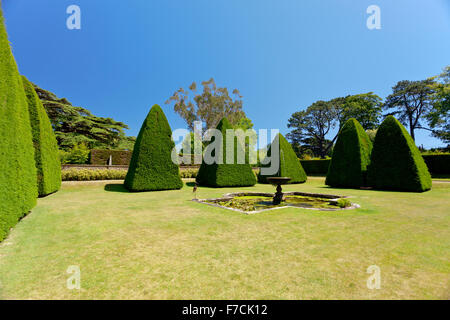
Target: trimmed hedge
[(93, 174), (289, 165), (437, 163), (319, 167), (18, 187), (226, 175), (396, 162), (119, 157), (351, 157), (46, 153), (151, 167)]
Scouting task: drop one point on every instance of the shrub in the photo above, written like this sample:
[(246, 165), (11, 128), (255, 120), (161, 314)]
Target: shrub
[(437, 163), (289, 165), (351, 156), (45, 146), (18, 186), (119, 157), (151, 167), (344, 203), (93, 174), (225, 174), (319, 167), (396, 162), (188, 173)]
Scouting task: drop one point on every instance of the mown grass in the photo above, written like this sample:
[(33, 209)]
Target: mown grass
[(161, 245)]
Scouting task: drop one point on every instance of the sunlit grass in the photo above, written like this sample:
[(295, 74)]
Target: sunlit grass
[(161, 245)]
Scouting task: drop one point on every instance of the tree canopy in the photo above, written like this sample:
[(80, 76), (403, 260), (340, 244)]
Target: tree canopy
[(439, 117), (209, 106), (74, 125), (312, 126)]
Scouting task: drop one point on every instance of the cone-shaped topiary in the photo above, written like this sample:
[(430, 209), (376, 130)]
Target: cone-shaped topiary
[(396, 163), (289, 164), (46, 154), (226, 174), (18, 190), (151, 167), (351, 157)]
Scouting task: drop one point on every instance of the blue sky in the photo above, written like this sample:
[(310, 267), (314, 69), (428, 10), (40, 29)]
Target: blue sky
[(282, 55)]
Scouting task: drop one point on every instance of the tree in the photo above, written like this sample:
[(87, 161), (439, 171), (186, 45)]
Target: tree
[(151, 166), (439, 117), (411, 102), (74, 125), (312, 125), (213, 104), (288, 166), (18, 181), (396, 163), (225, 174), (45, 147), (351, 157), (365, 108)]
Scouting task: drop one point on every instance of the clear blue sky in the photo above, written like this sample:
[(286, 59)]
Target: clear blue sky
[(282, 55)]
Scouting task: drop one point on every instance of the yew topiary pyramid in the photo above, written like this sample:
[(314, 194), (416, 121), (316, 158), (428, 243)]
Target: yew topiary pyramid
[(289, 164), (18, 190), (226, 174), (46, 154), (151, 167), (351, 157), (396, 163)]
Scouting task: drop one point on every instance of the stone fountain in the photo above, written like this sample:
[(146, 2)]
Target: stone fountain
[(278, 181)]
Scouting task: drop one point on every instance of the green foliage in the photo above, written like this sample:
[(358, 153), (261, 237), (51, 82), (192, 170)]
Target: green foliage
[(438, 164), (92, 174), (79, 154), (210, 106), (411, 102), (289, 165), (344, 203), (396, 162), (75, 125), (351, 157), (365, 108), (151, 167), (226, 175), (188, 173), (119, 157), (18, 187), (45, 147), (316, 167), (439, 117)]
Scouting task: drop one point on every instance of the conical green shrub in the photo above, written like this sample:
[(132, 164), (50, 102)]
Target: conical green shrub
[(226, 174), (151, 167), (396, 163), (46, 153), (351, 157), (289, 165), (18, 190)]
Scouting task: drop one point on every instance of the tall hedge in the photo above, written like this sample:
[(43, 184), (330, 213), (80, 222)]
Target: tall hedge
[(18, 190), (396, 162), (46, 153), (226, 175), (351, 157), (289, 165), (119, 157), (151, 167)]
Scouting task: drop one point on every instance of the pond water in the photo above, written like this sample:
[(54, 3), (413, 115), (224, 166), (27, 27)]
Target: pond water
[(257, 203)]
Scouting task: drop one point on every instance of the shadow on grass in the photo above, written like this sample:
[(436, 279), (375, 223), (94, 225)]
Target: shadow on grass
[(116, 187)]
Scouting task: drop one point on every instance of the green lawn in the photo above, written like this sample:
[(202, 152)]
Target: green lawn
[(161, 245)]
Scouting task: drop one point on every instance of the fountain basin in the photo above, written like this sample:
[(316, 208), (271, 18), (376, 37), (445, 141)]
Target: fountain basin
[(255, 202)]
